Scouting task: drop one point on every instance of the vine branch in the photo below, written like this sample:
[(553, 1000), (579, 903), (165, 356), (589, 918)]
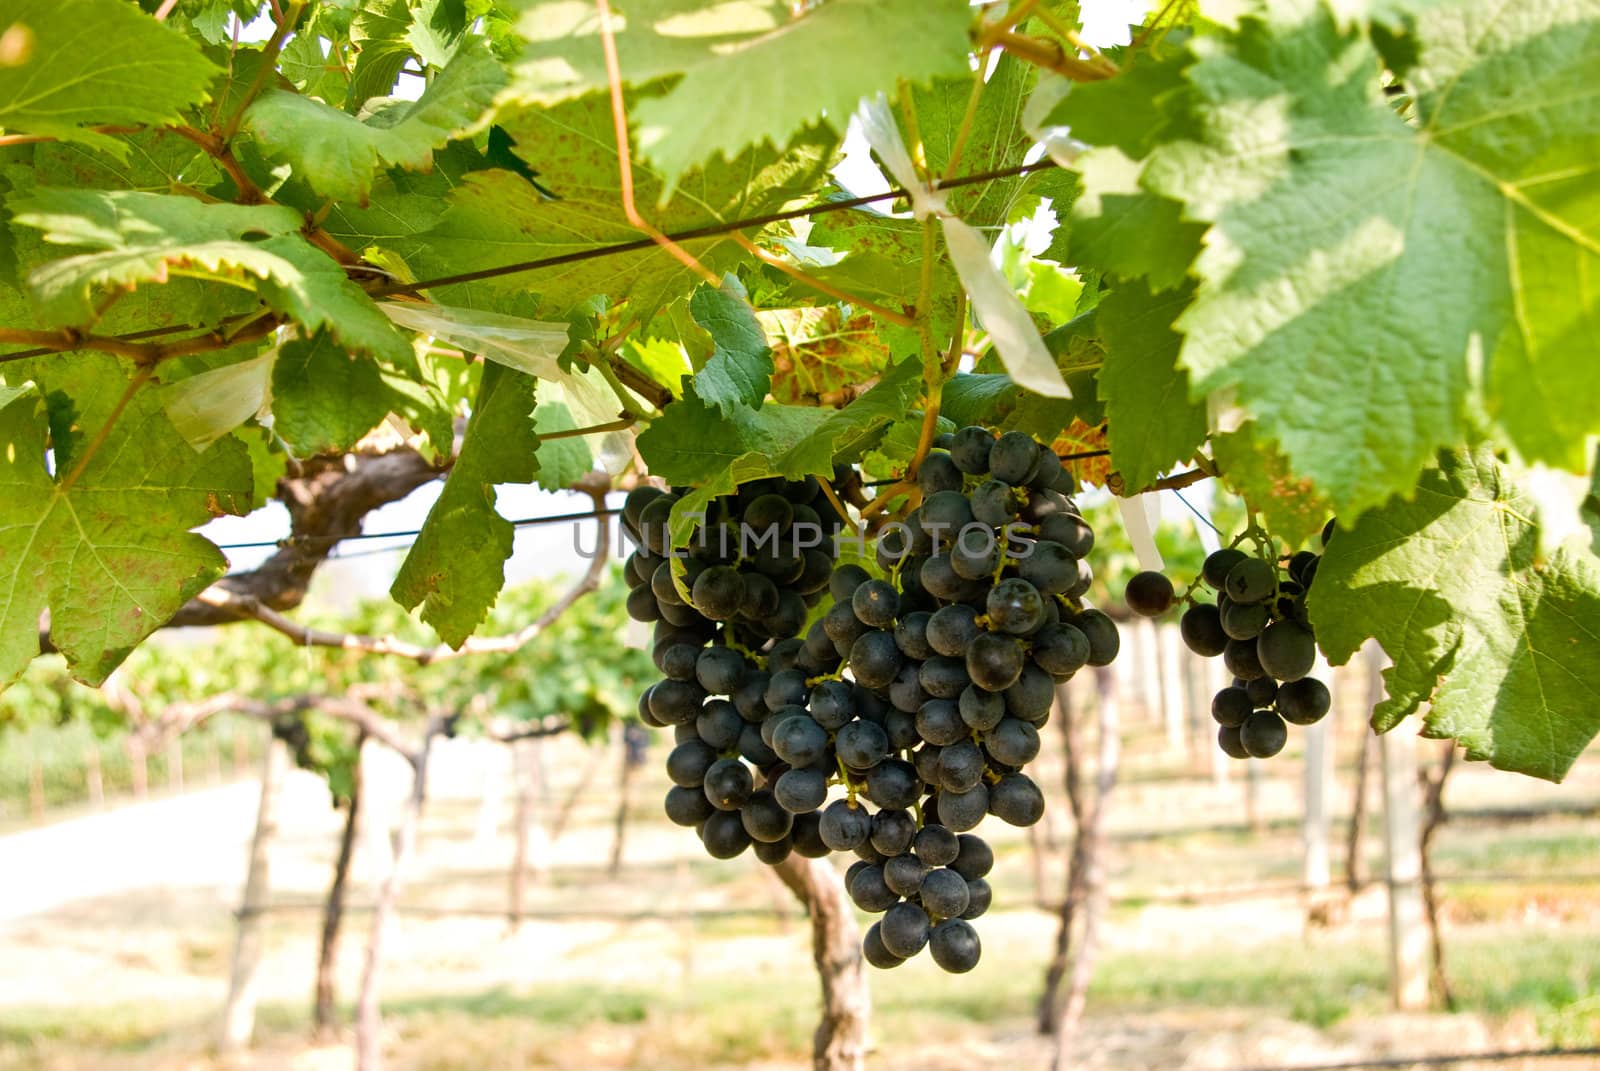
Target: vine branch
[(269, 64), (249, 607), (880, 311)]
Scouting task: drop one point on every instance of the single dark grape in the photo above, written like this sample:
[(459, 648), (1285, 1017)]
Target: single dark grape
[(980, 709), (875, 659), (938, 473), (969, 450), (876, 603), (939, 722), (724, 835), (869, 891), (1049, 473), (954, 946), (790, 617), (728, 784), (1071, 531), (1101, 631), (1241, 659), (844, 826), (944, 893), (975, 554), (892, 830), (904, 874), (833, 705), (718, 592), (1262, 691), (1149, 594), (807, 835), (719, 725), (749, 699), (642, 605), (1060, 650), (1014, 458), (1014, 606), (994, 662), (753, 749), (905, 691), (798, 791), (799, 740), (676, 702), (995, 504), (979, 897), (844, 581), (1031, 697), (1016, 800), (1250, 581), (1263, 734), (961, 766), (843, 626), (779, 850), (1303, 702), (875, 952), (633, 506), (814, 576), (1013, 742), (1048, 566), (764, 819), (861, 745), (719, 670), (911, 635), (1217, 566), (944, 515), (944, 677), (1201, 629), (1230, 743), (770, 511), (1231, 706), (687, 806), (894, 784), (1287, 651), (1244, 621), (905, 929), (974, 858), (679, 661), (901, 726), (961, 811), (952, 629)]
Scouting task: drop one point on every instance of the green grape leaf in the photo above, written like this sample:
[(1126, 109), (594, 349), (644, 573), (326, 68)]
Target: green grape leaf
[(110, 554), (562, 462), (691, 444), (85, 63), (1369, 266), (324, 398), (155, 161), (456, 568), (1502, 643), (144, 237), (1289, 505), (338, 154), (995, 138), (978, 397), (739, 372), (497, 217), (1129, 111), (379, 34), (1151, 422), (1123, 230), (765, 89), (819, 353)]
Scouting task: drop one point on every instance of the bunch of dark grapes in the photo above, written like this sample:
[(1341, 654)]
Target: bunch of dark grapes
[(753, 568), (915, 701), (1259, 626)]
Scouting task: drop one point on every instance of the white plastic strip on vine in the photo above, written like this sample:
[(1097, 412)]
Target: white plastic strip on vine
[(207, 406), (1140, 516), (994, 301), (528, 346)]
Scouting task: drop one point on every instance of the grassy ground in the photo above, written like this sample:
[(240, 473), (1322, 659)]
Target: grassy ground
[(683, 963)]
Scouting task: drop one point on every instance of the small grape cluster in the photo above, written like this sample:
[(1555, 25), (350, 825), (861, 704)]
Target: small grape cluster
[(1260, 628), (754, 566), (920, 692)]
